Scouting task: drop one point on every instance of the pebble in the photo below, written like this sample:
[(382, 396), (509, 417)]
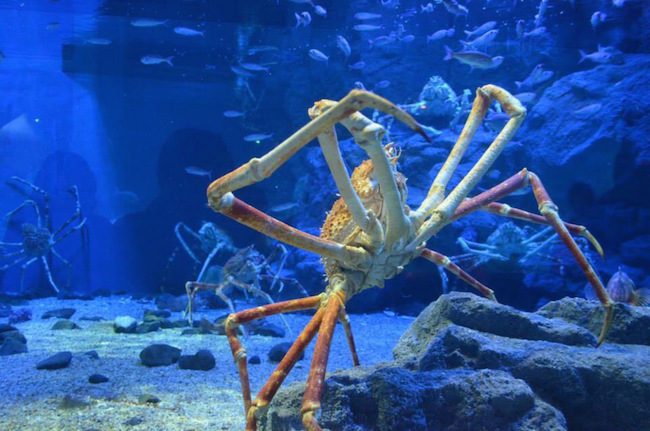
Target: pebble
[(203, 360), (135, 420), (65, 324), (124, 325), (73, 402), (12, 341), (61, 313), (277, 352), (92, 354), (97, 378), (157, 355), (254, 360), (55, 362), (148, 399)]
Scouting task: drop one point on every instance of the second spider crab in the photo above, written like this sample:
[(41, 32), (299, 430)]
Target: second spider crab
[(370, 233)]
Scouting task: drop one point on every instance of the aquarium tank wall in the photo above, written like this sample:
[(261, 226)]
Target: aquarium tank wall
[(462, 184)]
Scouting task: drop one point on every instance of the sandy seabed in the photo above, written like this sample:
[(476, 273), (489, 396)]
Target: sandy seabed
[(31, 399)]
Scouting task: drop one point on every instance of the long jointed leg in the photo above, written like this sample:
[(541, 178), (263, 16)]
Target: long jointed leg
[(441, 213), (444, 261), (316, 380), (239, 353), (550, 211), (345, 321)]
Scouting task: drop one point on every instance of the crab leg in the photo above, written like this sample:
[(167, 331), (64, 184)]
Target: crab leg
[(49, 274), (362, 217), (345, 321), (186, 247), (444, 261), (257, 290), (239, 353), (314, 388), (446, 209), (31, 203)]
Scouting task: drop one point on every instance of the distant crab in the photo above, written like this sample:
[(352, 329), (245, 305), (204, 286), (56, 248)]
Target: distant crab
[(370, 234), (38, 239), (246, 270)]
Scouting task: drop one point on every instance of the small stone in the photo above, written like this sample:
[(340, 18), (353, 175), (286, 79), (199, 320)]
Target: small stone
[(92, 318), (19, 315), (65, 324), (180, 323), (203, 360), (278, 351), (148, 399), (135, 420), (124, 325), (156, 314), (267, 329), (73, 402), (60, 313), (190, 331), (12, 346), (97, 378), (55, 362), (157, 355), (254, 360), (92, 354), (147, 326)]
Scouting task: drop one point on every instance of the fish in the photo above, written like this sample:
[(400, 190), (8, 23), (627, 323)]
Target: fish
[(303, 19), (587, 111), (359, 85), (474, 59), (98, 41), (199, 172), (496, 120), (598, 18), (366, 27), (283, 207), (390, 4), (320, 10), (454, 8), (257, 137), (365, 16), (480, 42), (381, 41), (309, 2), (359, 65), (525, 98), (536, 77), (343, 45), (254, 67), (252, 50), (541, 11), (428, 8), (520, 28), (381, 84), (152, 59), (148, 22), (240, 71), (618, 3), (621, 288), (604, 54), (408, 38), (481, 29), (536, 32), (233, 114), (186, 31), (318, 55), (441, 34)]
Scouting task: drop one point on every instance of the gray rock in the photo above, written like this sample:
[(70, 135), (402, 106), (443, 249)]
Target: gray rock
[(97, 378), (148, 399), (125, 325), (55, 362), (148, 326), (388, 397), (64, 324), (70, 402), (60, 313), (255, 360), (267, 329), (629, 325), (157, 355), (12, 346), (277, 352), (202, 360)]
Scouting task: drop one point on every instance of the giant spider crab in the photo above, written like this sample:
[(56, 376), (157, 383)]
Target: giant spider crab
[(371, 234)]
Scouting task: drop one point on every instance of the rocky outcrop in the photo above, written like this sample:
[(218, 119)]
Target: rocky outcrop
[(469, 363)]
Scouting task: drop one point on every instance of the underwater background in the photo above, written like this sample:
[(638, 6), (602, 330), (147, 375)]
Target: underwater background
[(115, 116)]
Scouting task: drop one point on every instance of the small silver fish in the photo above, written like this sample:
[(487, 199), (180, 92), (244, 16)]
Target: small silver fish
[(520, 28), (621, 288), (455, 8), (147, 22), (283, 207), (441, 34), (526, 97), (199, 172), (254, 67), (587, 111), (303, 19), (257, 137), (320, 11), (365, 16), (359, 65), (536, 32), (318, 55), (407, 38), (474, 59), (252, 50), (233, 114), (381, 41), (343, 45), (240, 71), (98, 41), (481, 29), (381, 84), (480, 42), (156, 59), (428, 8), (366, 27), (598, 18), (603, 55), (186, 31), (536, 77)]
